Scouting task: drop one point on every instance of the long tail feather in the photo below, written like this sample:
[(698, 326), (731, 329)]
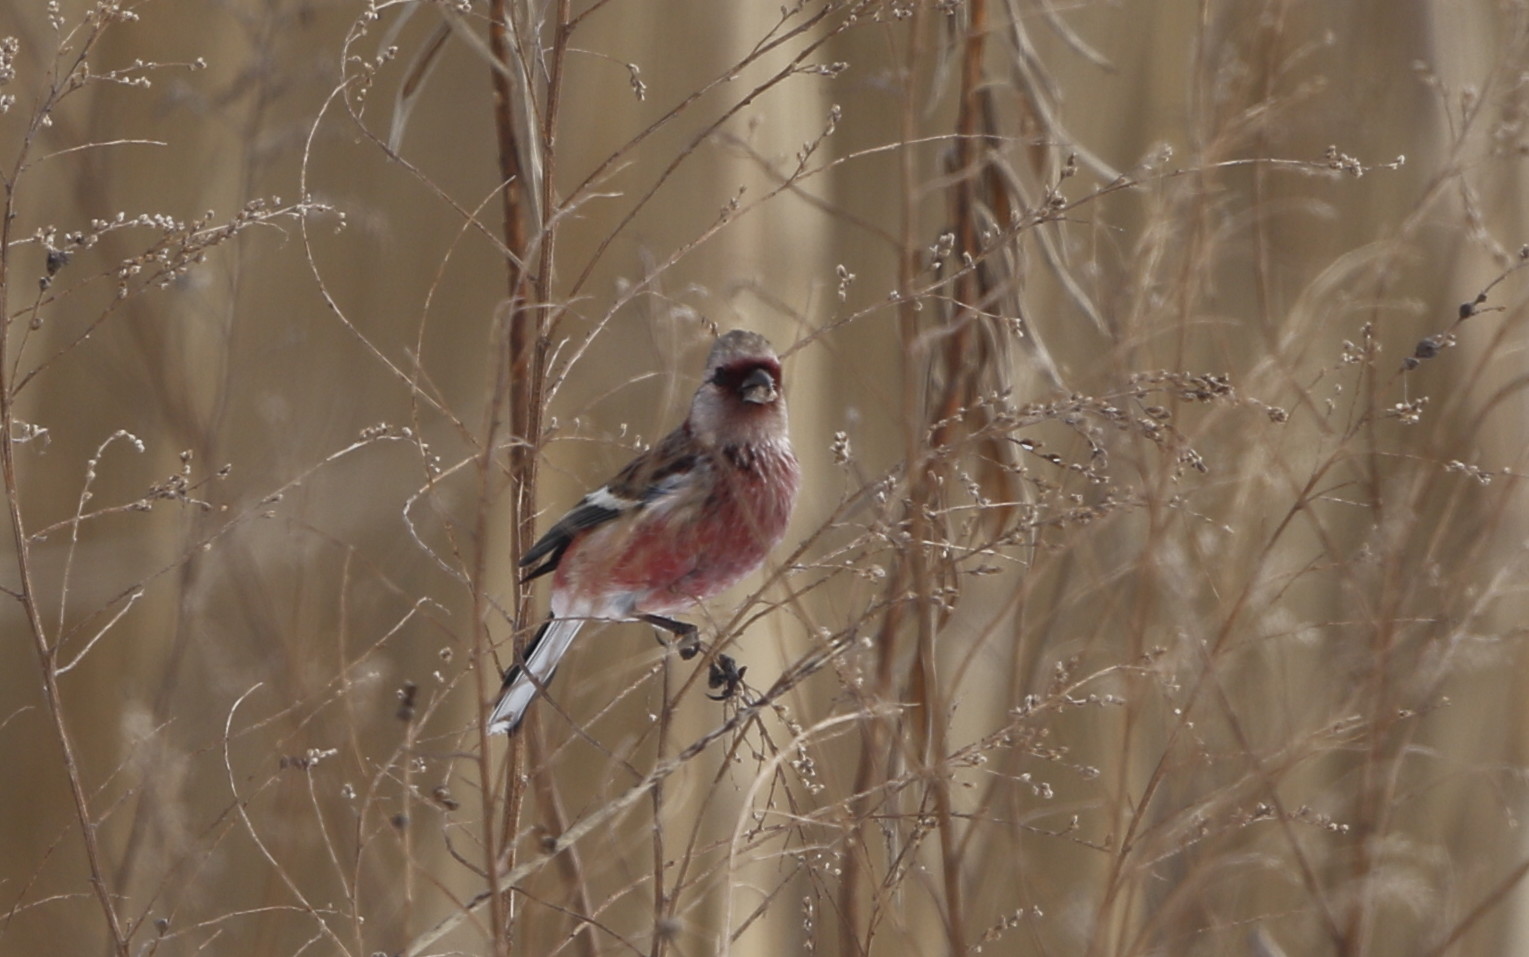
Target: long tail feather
[(521, 684)]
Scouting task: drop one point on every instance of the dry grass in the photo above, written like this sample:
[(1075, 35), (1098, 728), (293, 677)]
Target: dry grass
[(1156, 588)]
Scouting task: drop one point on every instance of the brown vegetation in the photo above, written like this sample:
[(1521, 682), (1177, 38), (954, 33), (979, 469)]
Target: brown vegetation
[(1155, 585)]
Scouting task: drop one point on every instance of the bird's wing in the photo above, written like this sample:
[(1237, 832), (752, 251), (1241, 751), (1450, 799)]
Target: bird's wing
[(649, 477)]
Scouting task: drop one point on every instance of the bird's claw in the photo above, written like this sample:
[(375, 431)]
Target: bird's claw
[(727, 675), (687, 637)]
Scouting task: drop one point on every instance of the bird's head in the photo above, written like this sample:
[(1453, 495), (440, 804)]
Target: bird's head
[(740, 398)]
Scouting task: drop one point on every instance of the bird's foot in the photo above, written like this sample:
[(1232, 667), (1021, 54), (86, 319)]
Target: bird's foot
[(724, 674), (727, 675), (687, 637)]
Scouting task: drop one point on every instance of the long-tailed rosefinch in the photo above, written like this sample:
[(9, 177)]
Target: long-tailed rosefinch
[(683, 521)]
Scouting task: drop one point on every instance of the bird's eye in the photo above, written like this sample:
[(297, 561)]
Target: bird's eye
[(733, 378)]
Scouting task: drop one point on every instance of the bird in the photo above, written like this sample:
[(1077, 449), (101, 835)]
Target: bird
[(684, 520)]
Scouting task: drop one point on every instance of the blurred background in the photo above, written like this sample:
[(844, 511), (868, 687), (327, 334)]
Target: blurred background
[(1157, 582)]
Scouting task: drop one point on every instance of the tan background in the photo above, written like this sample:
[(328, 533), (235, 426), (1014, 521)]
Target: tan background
[(1303, 729)]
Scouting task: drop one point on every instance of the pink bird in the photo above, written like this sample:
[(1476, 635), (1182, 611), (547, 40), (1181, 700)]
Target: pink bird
[(684, 520)]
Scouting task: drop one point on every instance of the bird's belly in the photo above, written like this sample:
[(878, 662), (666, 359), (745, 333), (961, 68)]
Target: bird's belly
[(677, 552)]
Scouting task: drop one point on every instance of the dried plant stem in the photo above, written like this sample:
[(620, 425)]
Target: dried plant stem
[(508, 70), (47, 659), (527, 148), (26, 593), (663, 902), (486, 681)]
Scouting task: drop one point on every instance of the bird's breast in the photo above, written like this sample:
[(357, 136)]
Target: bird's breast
[(694, 542)]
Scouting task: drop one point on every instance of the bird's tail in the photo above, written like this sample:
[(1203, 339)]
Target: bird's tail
[(521, 683)]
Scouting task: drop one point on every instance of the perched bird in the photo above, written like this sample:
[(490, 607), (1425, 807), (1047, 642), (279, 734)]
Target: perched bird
[(683, 521)]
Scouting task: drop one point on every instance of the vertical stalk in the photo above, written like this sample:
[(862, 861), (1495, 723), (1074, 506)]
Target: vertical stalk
[(506, 394), (47, 654), (876, 736), (526, 145), (27, 592)]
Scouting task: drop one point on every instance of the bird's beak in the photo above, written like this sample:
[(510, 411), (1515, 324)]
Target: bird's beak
[(758, 388)]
